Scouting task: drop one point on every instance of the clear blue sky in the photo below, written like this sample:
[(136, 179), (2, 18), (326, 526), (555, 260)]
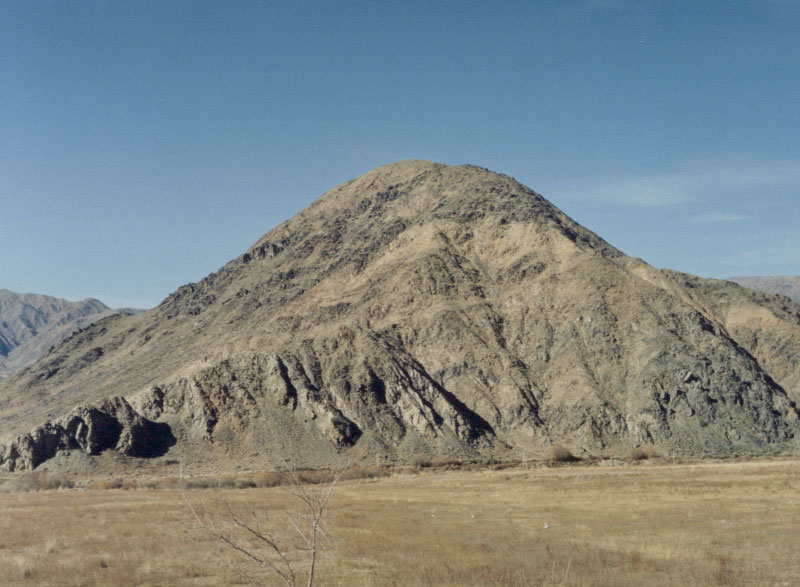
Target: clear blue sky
[(143, 144)]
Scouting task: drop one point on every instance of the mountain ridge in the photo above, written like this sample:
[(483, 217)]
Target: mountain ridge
[(787, 285), (32, 323), (424, 308)]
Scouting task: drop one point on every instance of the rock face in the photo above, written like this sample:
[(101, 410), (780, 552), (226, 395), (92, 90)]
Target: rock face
[(787, 285), (423, 308), (111, 424), (32, 323)]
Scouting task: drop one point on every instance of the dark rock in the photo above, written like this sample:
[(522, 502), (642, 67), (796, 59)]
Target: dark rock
[(111, 424)]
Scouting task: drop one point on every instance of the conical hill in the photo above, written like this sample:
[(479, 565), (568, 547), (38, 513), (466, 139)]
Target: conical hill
[(421, 309)]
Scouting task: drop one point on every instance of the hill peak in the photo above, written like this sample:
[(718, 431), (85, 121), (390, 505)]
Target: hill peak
[(424, 308), (392, 197)]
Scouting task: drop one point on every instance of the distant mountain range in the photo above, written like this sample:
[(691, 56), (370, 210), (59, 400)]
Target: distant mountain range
[(30, 324), (788, 285)]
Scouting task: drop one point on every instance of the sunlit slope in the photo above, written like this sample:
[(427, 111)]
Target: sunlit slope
[(434, 309)]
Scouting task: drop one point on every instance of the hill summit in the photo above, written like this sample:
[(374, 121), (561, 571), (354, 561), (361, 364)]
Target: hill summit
[(420, 308)]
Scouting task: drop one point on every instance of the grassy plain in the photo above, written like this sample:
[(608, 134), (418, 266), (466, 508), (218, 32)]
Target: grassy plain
[(648, 523)]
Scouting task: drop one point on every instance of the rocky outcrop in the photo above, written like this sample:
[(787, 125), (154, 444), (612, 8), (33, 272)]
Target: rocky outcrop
[(388, 399), (110, 425), (430, 309)]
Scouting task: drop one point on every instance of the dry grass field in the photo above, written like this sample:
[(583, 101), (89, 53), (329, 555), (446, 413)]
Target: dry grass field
[(647, 523)]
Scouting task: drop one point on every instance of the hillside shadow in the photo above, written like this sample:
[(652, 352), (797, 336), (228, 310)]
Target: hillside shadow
[(154, 440)]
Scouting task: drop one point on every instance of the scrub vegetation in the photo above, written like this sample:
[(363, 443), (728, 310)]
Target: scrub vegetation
[(639, 522)]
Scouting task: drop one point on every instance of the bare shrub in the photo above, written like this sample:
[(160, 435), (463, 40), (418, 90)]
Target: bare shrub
[(25, 568), (170, 482), (197, 483), (365, 473), (51, 545), (225, 483), (266, 479), (446, 462), (420, 460), (62, 482), (107, 484), (34, 481), (269, 479), (257, 538), (561, 454), (723, 571), (642, 453), (43, 481)]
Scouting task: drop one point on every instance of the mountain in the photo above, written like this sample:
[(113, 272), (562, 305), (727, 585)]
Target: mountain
[(32, 323), (787, 285), (419, 309)]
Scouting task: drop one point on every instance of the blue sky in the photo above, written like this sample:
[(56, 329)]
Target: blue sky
[(144, 144)]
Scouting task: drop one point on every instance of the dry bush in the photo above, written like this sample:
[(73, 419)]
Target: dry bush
[(446, 462), (106, 484), (170, 482), (258, 539), (43, 481), (63, 482), (150, 484), (197, 483), (561, 454), (651, 452), (269, 479), (308, 477), (642, 453), (420, 461), (365, 473), (51, 545), (266, 479), (315, 477), (35, 481), (57, 482), (25, 569), (226, 483)]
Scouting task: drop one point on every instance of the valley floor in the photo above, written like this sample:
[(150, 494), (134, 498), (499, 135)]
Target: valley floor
[(653, 523)]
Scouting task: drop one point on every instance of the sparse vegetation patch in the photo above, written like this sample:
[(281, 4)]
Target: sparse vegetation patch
[(730, 523)]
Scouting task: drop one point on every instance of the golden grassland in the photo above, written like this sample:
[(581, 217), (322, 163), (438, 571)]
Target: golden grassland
[(645, 523)]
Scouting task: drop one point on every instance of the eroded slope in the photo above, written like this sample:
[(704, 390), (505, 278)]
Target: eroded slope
[(428, 308)]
